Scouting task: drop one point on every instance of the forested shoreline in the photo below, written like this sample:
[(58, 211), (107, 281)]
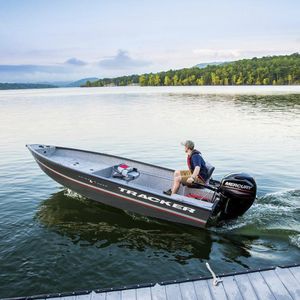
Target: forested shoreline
[(269, 70), (20, 86)]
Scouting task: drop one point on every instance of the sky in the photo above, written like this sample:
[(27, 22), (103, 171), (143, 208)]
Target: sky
[(65, 40)]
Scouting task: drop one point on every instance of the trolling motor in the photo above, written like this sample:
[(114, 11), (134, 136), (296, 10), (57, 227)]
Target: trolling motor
[(236, 194)]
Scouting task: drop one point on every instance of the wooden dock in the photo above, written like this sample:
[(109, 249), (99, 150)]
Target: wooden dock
[(273, 283)]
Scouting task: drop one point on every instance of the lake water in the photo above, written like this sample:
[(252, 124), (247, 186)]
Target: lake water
[(53, 240)]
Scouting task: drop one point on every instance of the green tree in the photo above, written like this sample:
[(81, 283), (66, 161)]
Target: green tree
[(156, 80), (233, 79), (185, 81), (142, 80), (167, 80), (266, 81), (200, 81), (192, 80), (175, 79), (151, 80), (240, 79)]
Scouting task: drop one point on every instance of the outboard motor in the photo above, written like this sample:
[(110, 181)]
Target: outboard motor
[(237, 193)]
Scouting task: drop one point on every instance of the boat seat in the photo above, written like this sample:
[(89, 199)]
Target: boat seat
[(210, 170)]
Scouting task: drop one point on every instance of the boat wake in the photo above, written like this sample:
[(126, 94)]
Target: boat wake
[(275, 214), (71, 194)]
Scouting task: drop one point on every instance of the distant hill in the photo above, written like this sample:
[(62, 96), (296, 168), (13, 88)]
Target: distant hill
[(58, 84), (76, 83), (81, 82), (215, 63), (269, 70), (17, 86), (46, 85)]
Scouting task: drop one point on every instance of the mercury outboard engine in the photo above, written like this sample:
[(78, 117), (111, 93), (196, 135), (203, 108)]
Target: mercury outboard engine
[(236, 194)]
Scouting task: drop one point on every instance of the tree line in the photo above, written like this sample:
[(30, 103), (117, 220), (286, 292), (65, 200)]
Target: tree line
[(16, 86), (269, 70)]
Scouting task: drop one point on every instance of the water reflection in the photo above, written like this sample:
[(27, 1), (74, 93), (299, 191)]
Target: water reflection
[(288, 103), (256, 103), (89, 223)]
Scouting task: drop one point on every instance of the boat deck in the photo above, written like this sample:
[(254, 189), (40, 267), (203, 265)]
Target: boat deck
[(273, 283)]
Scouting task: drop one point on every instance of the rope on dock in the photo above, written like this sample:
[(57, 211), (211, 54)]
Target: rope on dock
[(216, 280)]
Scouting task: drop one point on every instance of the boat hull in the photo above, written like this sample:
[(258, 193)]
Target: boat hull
[(124, 196)]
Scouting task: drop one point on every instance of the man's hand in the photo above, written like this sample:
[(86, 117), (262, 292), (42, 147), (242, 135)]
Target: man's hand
[(190, 180)]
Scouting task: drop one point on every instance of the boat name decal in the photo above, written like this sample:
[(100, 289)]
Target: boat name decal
[(93, 181), (157, 200), (238, 185)]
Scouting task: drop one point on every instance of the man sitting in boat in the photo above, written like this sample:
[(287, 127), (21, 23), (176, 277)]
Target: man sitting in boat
[(197, 172)]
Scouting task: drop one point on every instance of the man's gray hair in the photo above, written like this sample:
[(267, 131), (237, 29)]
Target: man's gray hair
[(189, 144)]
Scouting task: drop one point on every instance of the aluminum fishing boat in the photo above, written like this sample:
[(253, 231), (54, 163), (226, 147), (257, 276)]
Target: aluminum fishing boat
[(138, 187)]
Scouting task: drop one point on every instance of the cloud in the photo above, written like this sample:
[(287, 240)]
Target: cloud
[(122, 61), (73, 68), (75, 62), (24, 73), (49, 69), (213, 54), (20, 69)]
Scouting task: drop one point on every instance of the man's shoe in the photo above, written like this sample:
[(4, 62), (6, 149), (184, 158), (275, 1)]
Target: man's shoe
[(168, 192)]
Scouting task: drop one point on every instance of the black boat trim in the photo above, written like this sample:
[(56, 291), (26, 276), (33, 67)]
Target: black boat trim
[(123, 197)]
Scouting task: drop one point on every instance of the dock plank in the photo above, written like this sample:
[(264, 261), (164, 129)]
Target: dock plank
[(98, 296), (218, 291), (231, 288), (128, 294), (245, 286), (158, 292), (188, 291), (289, 281), (173, 292), (143, 293), (114, 295), (275, 285), (83, 297), (202, 290), (296, 272), (260, 286)]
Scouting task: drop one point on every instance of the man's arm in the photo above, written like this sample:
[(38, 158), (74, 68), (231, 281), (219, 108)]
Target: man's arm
[(194, 175), (196, 172)]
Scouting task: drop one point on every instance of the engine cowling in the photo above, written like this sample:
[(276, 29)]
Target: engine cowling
[(237, 193)]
